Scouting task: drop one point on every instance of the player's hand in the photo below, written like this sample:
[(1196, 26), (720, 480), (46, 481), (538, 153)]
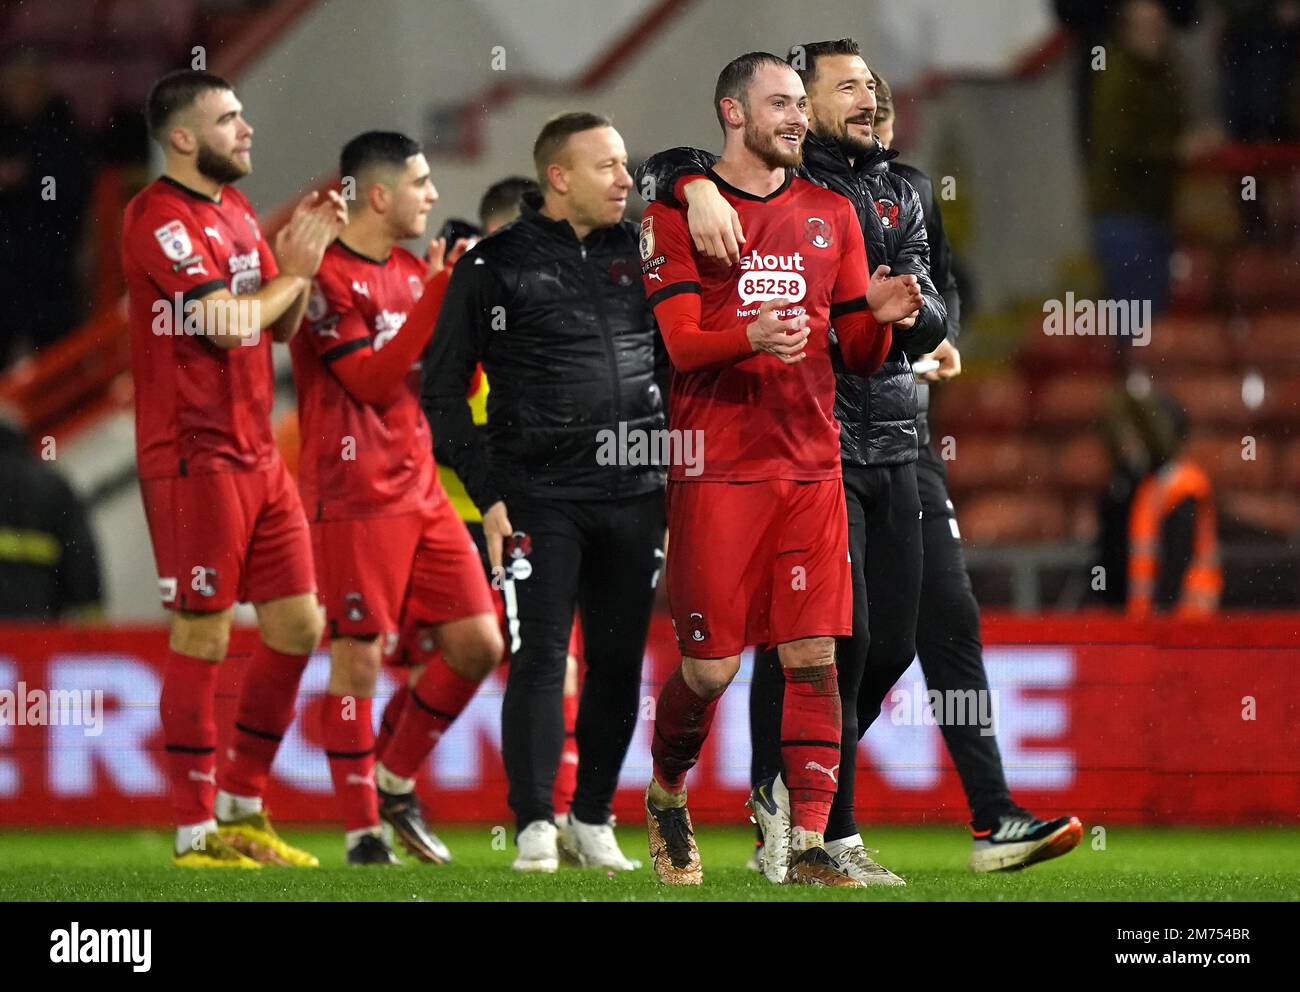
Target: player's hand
[(714, 223), (949, 359), (301, 243), (439, 258), (496, 528), (785, 338), (893, 298)]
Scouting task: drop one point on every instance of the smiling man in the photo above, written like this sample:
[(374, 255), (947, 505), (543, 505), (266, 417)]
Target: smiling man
[(552, 307), (877, 414)]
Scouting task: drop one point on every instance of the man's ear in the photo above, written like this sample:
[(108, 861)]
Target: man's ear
[(182, 139), (379, 197), (555, 173)]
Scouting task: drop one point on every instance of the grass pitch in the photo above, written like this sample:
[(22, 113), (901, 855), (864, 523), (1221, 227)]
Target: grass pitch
[(1136, 864)]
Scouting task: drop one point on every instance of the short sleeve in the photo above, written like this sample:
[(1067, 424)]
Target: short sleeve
[(667, 254), (168, 245), (331, 326)]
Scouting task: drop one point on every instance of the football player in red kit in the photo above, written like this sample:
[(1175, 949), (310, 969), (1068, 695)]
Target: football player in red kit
[(759, 535), (224, 519), (391, 553)]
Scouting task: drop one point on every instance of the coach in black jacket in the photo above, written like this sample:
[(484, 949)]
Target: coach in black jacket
[(877, 415), (553, 307)]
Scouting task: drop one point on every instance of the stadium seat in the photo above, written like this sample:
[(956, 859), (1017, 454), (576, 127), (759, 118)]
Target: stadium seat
[(1179, 340), (1210, 398), (1083, 464), (996, 462), (1013, 518), (983, 403), (1072, 401), (1043, 354), (1222, 458), (1273, 341)]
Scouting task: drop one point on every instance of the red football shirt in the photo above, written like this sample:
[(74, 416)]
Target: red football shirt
[(360, 459), (760, 418), (198, 408)]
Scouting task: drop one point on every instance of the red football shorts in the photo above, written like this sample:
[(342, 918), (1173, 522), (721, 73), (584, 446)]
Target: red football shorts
[(222, 538), (381, 574), (757, 563)]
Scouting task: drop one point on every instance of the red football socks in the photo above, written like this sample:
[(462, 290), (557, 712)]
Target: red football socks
[(190, 735), (392, 716), (435, 701), (349, 739), (266, 708), (810, 744), (566, 776), (682, 721)]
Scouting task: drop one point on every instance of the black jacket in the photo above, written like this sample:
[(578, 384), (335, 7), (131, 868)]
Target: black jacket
[(569, 346), (941, 274), (877, 415)]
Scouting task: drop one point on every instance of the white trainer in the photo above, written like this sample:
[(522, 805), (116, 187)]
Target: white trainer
[(592, 845), (770, 805), (851, 857), (538, 850)]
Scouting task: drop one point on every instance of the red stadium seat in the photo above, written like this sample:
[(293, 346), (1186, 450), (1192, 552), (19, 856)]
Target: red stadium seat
[(1072, 401), (1013, 518), (1211, 399), (1083, 463), (1273, 342), (992, 402), (1223, 459), (1187, 340), (996, 462)]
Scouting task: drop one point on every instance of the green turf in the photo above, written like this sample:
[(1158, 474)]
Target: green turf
[(1137, 863)]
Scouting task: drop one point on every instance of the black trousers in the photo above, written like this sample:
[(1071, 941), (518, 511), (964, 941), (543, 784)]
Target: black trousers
[(885, 548), (948, 642), (604, 558)]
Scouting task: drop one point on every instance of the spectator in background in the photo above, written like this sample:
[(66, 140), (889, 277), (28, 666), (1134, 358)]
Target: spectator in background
[(1092, 23), (1261, 43), (1139, 120), (40, 221), (1158, 543), (49, 566)]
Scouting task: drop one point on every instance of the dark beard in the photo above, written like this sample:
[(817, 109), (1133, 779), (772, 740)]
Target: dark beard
[(770, 153), (215, 167), (854, 147)]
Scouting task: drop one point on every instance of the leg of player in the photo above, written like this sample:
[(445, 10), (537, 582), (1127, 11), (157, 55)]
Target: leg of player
[(198, 643), (1005, 835), (469, 649), (683, 715), (616, 602), (347, 731), (810, 754), (290, 630)]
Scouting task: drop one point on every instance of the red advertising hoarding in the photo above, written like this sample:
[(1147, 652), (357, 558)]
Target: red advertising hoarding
[(1113, 721)]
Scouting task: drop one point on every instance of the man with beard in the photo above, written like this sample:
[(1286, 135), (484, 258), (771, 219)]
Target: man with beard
[(878, 443), (760, 536), (224, 516), (1005, 835)]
